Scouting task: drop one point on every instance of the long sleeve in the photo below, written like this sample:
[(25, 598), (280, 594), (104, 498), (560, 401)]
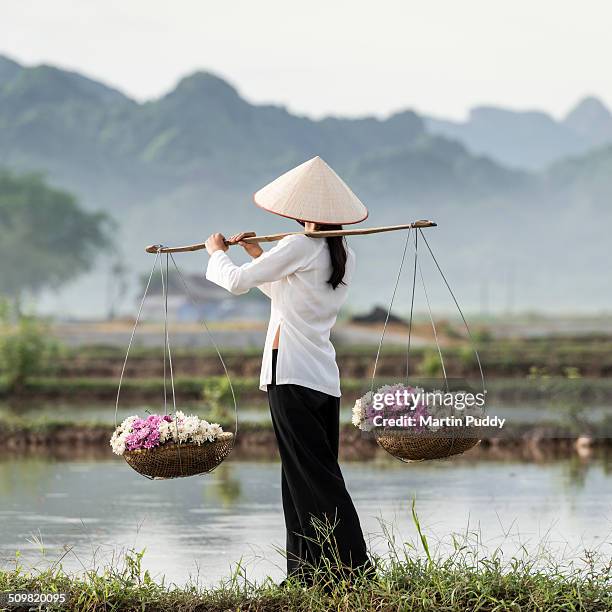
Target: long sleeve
[(287, 257)]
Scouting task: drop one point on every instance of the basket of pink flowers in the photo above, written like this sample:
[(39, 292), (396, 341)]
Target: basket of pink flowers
[(414, 425), (175, 445), (171, 446)]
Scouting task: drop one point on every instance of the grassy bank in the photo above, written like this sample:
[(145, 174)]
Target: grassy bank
[(65, 439), (460, 583), (590, 356), (190, 388)]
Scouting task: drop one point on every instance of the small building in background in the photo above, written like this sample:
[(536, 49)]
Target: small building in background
[(210, 302), (378, 314)]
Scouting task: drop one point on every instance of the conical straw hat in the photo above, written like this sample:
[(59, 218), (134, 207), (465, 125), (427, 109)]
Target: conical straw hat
[(312, 192)]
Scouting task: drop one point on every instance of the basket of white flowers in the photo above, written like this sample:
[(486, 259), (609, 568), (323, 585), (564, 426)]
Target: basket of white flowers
[(171, 446), (174, 445), (414, 425)]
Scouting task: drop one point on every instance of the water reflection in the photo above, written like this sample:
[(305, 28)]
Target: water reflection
[(228, 488), (203, 525)]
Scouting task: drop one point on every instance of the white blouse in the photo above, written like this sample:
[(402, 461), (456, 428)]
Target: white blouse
[(294, 276)]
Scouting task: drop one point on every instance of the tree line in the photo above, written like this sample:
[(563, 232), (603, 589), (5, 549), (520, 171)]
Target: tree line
[(46, 238)]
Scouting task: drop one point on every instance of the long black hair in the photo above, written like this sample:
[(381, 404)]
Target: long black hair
[(337, 253)]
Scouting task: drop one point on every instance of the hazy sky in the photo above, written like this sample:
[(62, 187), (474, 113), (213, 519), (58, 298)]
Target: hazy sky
[(331, 56)]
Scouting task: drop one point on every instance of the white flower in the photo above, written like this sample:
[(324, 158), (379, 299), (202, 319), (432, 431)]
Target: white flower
[(193, 429), (188, 428), (167, 431), (182, 428), (214, 430), (359, 411), (120, 434), (357, 414), (117, 443)]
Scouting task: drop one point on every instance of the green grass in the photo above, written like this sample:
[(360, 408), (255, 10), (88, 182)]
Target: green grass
[(190, 388), (595, 343), (404, 580), (16, 425), (93, 351), (591, 356)]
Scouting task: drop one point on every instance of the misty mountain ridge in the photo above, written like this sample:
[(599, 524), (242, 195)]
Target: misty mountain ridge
[(176, 168), (190, 133), (529, 140)]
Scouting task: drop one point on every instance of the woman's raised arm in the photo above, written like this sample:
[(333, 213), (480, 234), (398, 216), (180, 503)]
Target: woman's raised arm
[(287, 257)]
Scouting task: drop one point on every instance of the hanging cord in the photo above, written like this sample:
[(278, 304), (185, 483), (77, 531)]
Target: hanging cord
[(382, 336), (433, 326), (467, 327), (165, 300), (212, 340), (167, 350), (416, 252), (142, 301)]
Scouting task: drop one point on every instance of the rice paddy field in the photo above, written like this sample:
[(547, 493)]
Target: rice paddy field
[(519, 523)]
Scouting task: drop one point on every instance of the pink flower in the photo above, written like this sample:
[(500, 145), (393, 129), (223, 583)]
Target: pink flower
[(400, 405), (145, 432)]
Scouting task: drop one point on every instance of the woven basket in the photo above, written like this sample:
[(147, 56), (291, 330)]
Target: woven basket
[(419, 447), (179, 460)]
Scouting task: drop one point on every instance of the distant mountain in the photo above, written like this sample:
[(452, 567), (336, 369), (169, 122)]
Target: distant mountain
[(586, 179), (529, 139), (100, 142), (174, 169), (8, 69), (592, 120), (61, 122)]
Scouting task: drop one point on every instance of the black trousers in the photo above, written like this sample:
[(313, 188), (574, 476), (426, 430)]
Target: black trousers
[(307, 427)]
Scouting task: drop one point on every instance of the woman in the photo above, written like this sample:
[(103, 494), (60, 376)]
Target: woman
[(307, 281)]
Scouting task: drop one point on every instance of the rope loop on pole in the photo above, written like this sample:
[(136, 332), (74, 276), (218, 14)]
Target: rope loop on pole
[(168, 365), (417, 267), (212, 341), (127, 353)]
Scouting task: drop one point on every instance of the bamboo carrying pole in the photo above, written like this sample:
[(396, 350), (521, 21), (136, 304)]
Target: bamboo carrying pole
[(251, 238)]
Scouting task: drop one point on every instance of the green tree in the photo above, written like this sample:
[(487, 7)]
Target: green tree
[(46, 238), (27, 347)]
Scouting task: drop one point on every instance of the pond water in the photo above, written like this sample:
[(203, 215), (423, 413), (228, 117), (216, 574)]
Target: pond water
[(199, 527)]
